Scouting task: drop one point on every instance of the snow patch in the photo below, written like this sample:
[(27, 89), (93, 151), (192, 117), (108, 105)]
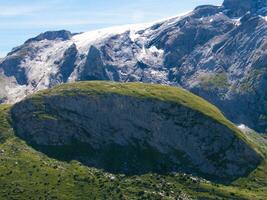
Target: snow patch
[(245, 128), (237, 21), (264, 17), (242, 127), (93, 37), (84, 40), (154, 49), (152, 54)]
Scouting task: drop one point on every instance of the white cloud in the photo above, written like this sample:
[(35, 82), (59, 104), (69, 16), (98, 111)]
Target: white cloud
[(14, 11), (138, 16), (50, 23)]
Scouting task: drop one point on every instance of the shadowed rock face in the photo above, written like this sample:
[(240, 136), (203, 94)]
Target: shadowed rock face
[(52, 35), (237, 8), (129, 135), (96, 69), (66, 66), (11, 68)]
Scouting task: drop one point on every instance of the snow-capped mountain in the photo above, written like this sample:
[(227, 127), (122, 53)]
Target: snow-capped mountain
[(217, 52)]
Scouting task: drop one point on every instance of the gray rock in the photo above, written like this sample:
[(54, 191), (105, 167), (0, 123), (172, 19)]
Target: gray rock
[(237, 8), (123, 134), (52, 35)]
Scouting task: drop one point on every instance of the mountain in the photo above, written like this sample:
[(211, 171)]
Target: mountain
[(156, 128), (217, 52), (133, 141), (236, 8)]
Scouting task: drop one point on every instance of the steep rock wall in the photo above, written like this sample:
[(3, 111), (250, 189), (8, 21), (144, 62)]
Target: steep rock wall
[(131, 135)]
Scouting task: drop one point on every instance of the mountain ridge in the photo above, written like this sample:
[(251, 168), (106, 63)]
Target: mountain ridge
[(209, 51)]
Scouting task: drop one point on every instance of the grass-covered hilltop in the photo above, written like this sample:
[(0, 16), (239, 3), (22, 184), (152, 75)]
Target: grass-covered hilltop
[(105, 140)]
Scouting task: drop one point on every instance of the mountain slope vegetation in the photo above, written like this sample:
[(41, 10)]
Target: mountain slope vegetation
[(27, 173)]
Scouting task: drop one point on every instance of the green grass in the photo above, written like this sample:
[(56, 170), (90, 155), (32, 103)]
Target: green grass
[(28, 174), (219, 80), (257, 180), (43, 116), (5, 128)]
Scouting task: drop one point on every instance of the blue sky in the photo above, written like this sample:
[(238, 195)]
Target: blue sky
[(20, 20)]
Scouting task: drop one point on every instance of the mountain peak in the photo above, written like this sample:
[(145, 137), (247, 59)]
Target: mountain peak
[(237, 8), (52, 35)]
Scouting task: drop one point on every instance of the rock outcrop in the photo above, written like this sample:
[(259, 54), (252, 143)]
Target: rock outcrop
[(128, 129), (237, 8), (52, 35)]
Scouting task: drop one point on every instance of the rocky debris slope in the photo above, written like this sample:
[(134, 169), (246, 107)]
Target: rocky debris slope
[(217, 52), (134, 129)]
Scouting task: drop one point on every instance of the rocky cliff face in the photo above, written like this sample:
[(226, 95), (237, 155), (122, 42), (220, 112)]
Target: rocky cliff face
[(218, 52), (238, 8), (132, 135)]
